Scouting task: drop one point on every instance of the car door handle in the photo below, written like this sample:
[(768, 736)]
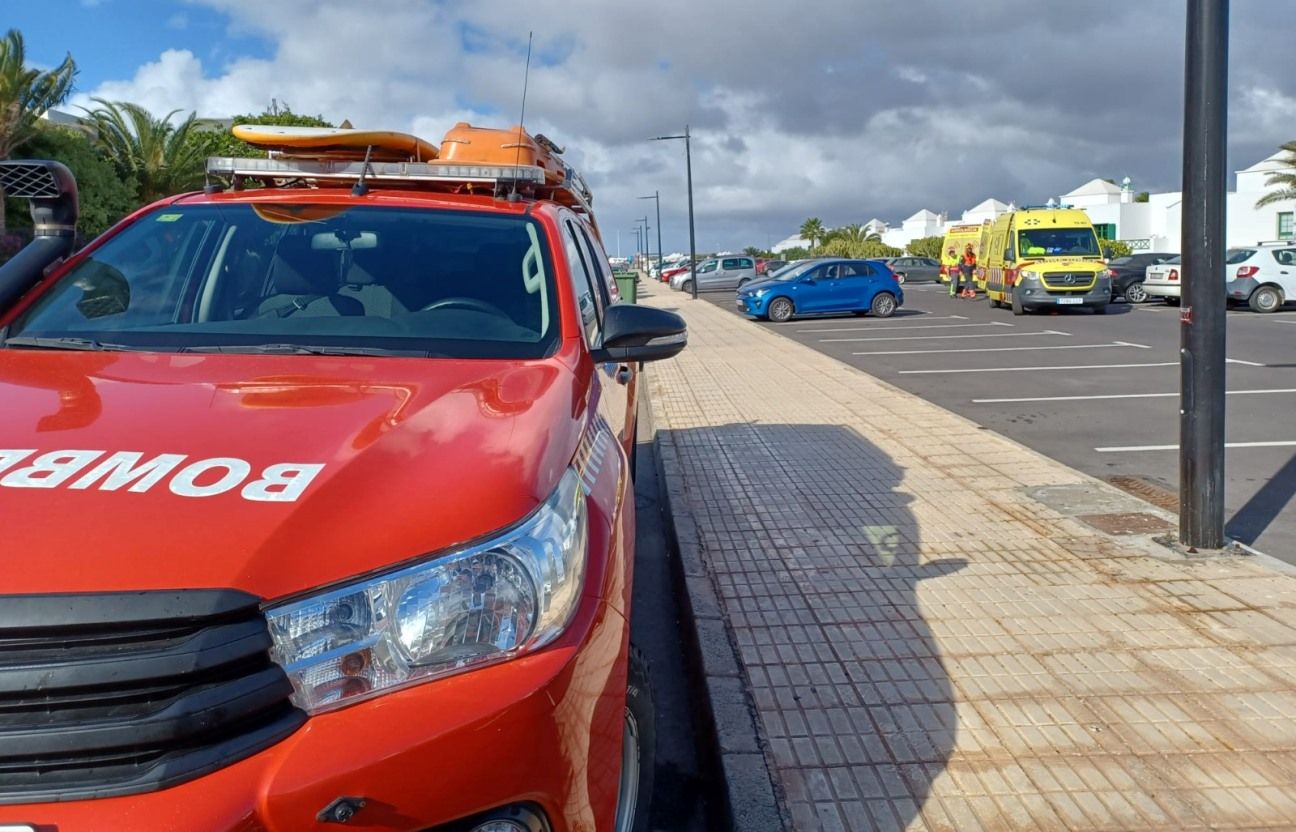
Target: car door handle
[(624, 374)]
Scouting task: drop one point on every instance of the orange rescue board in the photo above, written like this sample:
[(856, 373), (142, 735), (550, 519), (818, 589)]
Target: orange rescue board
[(388, 145)]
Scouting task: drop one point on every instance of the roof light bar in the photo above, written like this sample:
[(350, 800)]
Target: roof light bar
[(378, 171)]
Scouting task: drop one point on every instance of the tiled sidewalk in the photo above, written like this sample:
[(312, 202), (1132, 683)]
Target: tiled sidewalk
[(927, 647)]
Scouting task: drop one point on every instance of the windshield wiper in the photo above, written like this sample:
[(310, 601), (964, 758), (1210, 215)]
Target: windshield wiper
[(47, 342), (302, 349)]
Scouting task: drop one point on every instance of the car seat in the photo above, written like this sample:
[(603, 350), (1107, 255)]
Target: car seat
[(360, 284), (304, 282)]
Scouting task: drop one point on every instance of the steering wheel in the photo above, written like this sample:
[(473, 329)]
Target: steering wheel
[(466, 303)]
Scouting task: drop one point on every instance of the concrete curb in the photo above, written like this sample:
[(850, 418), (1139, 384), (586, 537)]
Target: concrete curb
[(750, 797)]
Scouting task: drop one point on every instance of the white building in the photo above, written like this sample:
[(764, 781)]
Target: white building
[(989, 209), (922, 224), (1154, 225), (795, 241)]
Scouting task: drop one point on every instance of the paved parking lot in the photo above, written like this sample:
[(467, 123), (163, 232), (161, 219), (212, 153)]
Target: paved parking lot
[(1099, 393)]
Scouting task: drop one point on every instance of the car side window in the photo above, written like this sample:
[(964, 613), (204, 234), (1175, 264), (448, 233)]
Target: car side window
[(587, 297), (601, 266), (1285, 257), (730, 263), (831, 272), (707, 267), (744, 263)]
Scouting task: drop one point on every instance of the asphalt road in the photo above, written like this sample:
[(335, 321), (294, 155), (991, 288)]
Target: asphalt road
[(681, 799), (1098, 393)]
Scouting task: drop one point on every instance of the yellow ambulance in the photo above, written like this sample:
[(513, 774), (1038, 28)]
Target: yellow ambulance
[(1045, 258), (956, 239)]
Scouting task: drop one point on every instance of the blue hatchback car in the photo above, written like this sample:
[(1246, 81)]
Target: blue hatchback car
[(813, 287)]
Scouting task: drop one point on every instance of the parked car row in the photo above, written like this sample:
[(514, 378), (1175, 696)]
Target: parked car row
[(1263, 277)]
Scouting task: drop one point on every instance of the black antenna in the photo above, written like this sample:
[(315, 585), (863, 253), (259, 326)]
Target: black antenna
[(526, 77), (360, 188)]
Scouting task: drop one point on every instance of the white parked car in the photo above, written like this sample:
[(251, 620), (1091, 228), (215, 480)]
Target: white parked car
[(1161, 280), (1263, 277)]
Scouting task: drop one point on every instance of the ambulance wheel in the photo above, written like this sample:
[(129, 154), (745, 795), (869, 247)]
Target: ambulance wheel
[(638, 749), (995, 303), (1017, 307), (780, 310)]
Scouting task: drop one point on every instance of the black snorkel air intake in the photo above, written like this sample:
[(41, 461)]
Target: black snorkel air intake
[(52, 189)]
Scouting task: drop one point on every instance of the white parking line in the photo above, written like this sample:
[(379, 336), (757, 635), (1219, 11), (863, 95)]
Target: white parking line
[(1245, 363), (898, 324), (1038, 369), (1112, 345), (1123, 396), (943, 337), (903, 326), (1129, 449)]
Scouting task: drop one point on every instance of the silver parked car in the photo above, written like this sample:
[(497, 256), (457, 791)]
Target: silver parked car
[(718, 273)]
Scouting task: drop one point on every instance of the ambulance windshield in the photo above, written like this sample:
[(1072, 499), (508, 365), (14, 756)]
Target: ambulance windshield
[(1058, 242)]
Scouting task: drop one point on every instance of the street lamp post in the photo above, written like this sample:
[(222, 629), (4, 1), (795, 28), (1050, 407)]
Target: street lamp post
[(688, 163), (1201, 315), (656, 197), (647, 241)]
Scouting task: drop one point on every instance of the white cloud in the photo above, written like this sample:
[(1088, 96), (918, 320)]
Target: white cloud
[(899, 124)]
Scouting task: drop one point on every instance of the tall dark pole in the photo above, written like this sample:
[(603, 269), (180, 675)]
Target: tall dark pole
[(657, 199), (1201, 316), (647, 247), (688, 162)]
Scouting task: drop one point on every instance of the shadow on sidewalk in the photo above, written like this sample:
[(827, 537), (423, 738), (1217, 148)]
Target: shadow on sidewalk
[(1265, 505), (816, 556)]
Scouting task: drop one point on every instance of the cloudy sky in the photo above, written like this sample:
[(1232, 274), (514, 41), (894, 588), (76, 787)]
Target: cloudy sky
[(841, 109)]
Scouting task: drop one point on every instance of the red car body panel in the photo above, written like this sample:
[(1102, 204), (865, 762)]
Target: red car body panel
[(419, 456)]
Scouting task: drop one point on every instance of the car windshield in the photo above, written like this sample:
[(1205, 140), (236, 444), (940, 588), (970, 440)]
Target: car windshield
[(792, 270), (1058, 242), (308, 278)]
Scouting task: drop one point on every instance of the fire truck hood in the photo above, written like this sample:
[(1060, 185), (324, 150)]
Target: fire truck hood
[(270, 474)]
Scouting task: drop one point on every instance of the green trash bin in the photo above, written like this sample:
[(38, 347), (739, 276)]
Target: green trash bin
[(628, 285)]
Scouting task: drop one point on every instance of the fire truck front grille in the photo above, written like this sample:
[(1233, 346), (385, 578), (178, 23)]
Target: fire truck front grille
[(121, 693)]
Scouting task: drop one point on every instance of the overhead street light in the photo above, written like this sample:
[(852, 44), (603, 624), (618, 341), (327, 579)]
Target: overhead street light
[(656, 196), (688, 162)]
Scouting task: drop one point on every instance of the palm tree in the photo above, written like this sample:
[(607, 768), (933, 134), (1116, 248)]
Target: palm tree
[(25, 95), (812, 230), (1284, 181), (164, 158)]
